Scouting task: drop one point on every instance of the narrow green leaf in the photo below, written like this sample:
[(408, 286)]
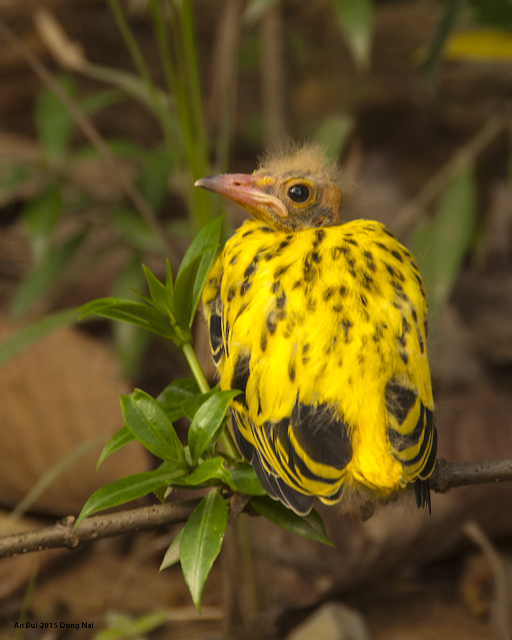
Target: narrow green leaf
[(44, 274), (101, 99), (160, 493), (137, 313), (246, 481), (207, 238), (255, 10), (492, 13), (174, 395), (440, 246), (23, 338), (121, 438), (183, 293), (159, 293), (307, 526), (334, 134), (53, 121), (206, 422), (168, 277), (172, 555), (135, 229), (356, 20), (210, 470), (128, 489), (447, 21), (149, 423), (207, 261), (201, 542), (41, 214)]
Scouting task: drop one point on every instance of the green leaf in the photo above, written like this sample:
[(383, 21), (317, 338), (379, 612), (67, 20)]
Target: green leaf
[(41, 214), (208, 237), (246, 481), (310, 526), (210, 470), (137, 313), (356, 20), (441, 245), (492, 13), (201, 542), (123, 627), (135, 229), (168, 277), (207, 421), (174, 395), (447, 21), (192, 404), (149, 423), (44, 274), (23, 338), (54, 123), (101, 99), (184, 292), (334, 134), (120, 439), (128, 489), (255, 10), (159, 293), (206, 263), (172, 555)]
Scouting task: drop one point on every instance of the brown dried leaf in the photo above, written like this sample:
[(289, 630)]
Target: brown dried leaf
[(55, 395)]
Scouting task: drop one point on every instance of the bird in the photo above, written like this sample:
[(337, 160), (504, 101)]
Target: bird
[(322, 325)]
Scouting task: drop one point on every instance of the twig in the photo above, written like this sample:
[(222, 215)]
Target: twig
[(96, 527), (87, 127), (462, 158), (447, 475), (502, 618)]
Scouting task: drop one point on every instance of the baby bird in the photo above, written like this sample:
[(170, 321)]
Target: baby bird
[(323, 327)]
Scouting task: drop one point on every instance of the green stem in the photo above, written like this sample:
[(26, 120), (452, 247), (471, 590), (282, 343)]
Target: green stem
[(197, 372), (430, 65), (157, 104)]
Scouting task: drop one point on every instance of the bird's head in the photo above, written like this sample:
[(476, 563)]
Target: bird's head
[(293, 188)]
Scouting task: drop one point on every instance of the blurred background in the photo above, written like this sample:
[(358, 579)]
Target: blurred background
[(415, 100)]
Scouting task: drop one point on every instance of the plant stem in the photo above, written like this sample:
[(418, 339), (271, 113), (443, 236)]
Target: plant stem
[(430, 65), (197, 372), (195, 368)]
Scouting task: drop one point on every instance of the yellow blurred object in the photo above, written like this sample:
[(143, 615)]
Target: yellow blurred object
[(323, 326), (480, 44)]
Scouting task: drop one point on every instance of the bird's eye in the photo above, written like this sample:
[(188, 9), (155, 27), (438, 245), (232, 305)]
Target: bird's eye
[(299, 193)]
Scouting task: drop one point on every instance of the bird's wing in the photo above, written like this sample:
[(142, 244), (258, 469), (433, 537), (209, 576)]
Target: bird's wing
[(214, 313)]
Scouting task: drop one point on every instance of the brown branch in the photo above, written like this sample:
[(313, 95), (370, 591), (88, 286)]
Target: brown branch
[(97, 527), (447, 475)]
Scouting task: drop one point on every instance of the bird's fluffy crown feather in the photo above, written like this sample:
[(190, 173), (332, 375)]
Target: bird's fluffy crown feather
[(308, 158)]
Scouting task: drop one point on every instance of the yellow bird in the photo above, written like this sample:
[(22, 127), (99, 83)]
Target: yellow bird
[(323, 327)]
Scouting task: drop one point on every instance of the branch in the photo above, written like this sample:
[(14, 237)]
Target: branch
[(446, 476), (449, 475), (97, 527)]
